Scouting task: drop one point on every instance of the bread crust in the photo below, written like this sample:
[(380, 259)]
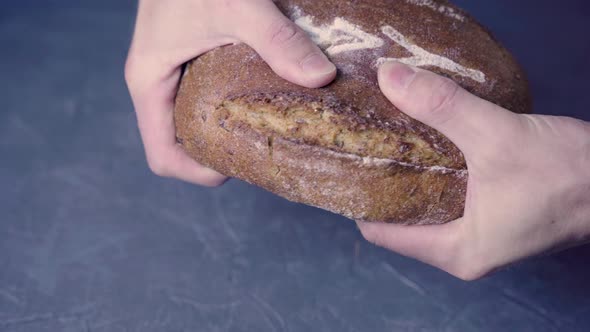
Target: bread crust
[(359, 187)]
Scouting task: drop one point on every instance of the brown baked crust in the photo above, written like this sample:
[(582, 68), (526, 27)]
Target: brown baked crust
[(357, 186)]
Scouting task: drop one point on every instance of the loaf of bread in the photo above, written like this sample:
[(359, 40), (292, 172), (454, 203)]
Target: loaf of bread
[(345, 148)]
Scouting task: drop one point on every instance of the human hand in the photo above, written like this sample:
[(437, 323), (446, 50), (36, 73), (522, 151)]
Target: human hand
[(529, 179), (170, 33)]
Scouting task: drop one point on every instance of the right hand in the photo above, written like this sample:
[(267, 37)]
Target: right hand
[(170, 33), (529, 179)]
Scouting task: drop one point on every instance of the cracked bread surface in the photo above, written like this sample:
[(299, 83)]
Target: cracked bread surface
[(343, 147), (313, 124)]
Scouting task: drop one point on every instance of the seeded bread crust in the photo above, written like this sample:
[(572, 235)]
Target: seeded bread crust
[(421, 180)]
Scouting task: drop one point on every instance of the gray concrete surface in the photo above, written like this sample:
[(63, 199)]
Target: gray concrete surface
[(91, 241)]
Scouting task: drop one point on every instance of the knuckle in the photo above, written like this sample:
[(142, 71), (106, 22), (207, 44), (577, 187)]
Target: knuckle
[(214, 181), (469, 273), (130, 71), (283, 32), (467, 266), (231, 4), (370, 234), (443, 99), (159, 167), (461, 258)]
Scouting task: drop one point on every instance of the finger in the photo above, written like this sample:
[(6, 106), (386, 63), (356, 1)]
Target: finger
[(154, 106), (286, 48), (435, 245), (468, 121)]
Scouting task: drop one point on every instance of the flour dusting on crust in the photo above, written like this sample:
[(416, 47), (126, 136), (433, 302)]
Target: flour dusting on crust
[(423, 58), (342, 36), (445, 10)]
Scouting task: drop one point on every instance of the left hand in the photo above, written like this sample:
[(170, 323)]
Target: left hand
[(169, 33)]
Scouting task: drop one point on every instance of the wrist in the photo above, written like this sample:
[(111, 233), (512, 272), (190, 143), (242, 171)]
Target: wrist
[(579, 198), (585, 212), (569, 183)]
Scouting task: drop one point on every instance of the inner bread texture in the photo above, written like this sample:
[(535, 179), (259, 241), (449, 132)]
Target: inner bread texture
[(313, 124)]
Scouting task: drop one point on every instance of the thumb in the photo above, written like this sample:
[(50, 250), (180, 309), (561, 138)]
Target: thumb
[(284, 46), (441, 104)]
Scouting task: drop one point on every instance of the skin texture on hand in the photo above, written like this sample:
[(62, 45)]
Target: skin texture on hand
[(529, 179), (170, 33)]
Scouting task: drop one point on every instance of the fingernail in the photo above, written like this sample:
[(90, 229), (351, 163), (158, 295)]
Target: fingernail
[(317, 65), (397, 75)]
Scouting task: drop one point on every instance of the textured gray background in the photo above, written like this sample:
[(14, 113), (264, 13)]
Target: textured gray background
[(91, 241)]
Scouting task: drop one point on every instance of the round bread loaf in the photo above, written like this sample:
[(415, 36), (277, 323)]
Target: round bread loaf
[(344, 147)]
